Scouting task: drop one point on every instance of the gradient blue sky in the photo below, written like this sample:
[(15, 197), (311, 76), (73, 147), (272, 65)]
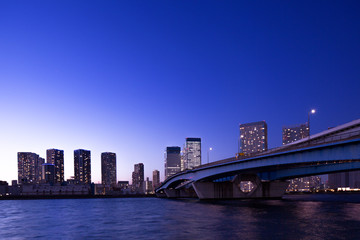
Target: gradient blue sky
[(133, 77)]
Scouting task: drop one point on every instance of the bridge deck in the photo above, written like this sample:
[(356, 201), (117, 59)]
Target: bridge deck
[(285, 148)]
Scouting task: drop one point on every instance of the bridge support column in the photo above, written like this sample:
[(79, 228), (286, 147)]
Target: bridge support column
[(231, 190), (171, 193), (211, 190), (274, 189), (179, 193), (161, 194)]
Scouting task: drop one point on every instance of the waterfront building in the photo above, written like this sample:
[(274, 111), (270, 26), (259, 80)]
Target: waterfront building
[(4, 188), (56, 157), (38, 171), (82, 166), (148, 186), (55, 190), (48, 173), (108, 168), (100, 189), (71, 181), (293, 133), (305, 184), (191, 156), (253, 137), (344, 180), (156, 179), (29, 167), (138, 178), (123, 184), (172, 161)]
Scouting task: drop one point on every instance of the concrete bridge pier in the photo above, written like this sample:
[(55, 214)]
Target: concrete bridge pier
[(161, 194), (232, 190), (180, 193)]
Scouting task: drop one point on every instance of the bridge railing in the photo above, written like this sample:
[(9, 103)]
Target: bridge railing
[(323, 140)]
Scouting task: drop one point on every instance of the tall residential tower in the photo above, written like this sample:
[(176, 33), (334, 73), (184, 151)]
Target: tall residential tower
[(82, 166), (293, 133), (29, 167), (56, 157), (172, 161), (138, 178), (253, 137), (156, 179), (191, 154), (108, 168)]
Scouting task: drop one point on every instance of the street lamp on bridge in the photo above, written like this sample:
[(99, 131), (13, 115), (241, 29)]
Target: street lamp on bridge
[(312, 111), (208, 152)]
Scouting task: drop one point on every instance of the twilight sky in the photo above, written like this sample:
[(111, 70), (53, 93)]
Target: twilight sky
[(133, 77)]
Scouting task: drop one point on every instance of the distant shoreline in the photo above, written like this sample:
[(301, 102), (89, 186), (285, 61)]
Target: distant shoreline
[(36, 197), (286, 196), (319, 193)]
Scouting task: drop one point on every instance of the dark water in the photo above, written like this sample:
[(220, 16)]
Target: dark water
[(321, 217)]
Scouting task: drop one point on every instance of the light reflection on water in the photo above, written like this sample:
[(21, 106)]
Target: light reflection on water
[(150, 218)]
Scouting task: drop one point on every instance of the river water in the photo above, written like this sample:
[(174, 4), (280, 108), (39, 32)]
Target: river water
[(296, 217)]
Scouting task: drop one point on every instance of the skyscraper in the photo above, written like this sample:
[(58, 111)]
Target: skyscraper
[(156, 179), (172, 161), (293, 133), (138, 178), (29, 167), (56, 157), (108, 168), (48, 173), (82, 166), (148, 186), (191, 154), (26, 167), (253, 137), (38, 171)]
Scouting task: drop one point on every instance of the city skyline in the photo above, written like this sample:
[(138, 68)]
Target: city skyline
[(134, 78)]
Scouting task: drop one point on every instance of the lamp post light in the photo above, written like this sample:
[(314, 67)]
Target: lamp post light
[(312, 111), (208, 154)]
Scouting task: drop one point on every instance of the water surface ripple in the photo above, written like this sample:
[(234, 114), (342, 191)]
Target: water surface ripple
[(152, 218)]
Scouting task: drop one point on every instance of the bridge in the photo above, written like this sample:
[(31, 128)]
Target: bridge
[(334, 150)]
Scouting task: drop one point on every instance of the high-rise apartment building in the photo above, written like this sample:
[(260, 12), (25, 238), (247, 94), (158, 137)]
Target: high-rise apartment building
[(304, 184), (82, 166), (291, 134), (172, 161), (148, 186), (48, 173), (156, 179), (138, 178), (191, 156), (38, 171), (294, 133), (253, 137), (29, 167), (108, 168), (56, 157), (345, 180)]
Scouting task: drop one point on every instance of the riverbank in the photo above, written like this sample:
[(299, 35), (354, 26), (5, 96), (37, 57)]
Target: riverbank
[(35, 197), (350, 197)]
